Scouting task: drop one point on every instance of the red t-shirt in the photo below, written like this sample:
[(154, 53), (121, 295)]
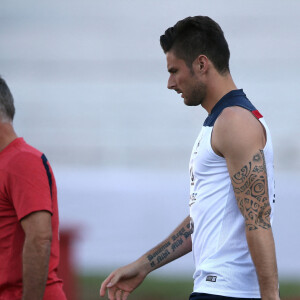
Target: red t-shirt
[(27, 185)]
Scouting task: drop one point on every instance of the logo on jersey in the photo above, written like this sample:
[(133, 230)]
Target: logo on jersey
[(193, 198), (211, 278)]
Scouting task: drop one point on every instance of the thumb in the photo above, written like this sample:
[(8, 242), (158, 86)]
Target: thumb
[(113, 281)]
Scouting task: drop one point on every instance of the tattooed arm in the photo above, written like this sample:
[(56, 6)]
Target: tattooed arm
[(239, 137), (123, 281)]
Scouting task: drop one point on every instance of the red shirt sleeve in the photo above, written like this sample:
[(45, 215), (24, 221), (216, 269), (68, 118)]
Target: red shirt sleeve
[(28, 183)]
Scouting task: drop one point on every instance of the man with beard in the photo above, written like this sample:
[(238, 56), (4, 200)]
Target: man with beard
[(29, 245), (231, 179)]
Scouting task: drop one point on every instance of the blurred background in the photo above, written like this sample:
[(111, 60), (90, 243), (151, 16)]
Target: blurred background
[(89, 80)]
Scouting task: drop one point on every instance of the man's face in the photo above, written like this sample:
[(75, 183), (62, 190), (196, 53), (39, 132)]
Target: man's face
[(185, 81)]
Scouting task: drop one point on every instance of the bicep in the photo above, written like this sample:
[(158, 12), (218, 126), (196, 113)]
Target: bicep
[(37, 224)]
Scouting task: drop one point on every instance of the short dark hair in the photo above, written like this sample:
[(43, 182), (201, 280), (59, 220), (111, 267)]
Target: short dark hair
[(193, 36), (7, 108)]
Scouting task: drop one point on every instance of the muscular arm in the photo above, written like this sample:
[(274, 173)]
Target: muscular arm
[(251, 191), (239, 137), (36, 253), (123, 281)]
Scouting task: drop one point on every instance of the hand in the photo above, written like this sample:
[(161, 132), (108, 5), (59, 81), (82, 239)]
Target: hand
[(123, 281)]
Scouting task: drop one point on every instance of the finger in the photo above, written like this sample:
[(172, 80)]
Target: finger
[(102, 290), (118, 294), (111, 293), (125, 295), (104, 284)]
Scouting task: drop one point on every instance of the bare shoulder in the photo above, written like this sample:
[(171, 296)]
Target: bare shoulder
[(236, 115), (236, 130)]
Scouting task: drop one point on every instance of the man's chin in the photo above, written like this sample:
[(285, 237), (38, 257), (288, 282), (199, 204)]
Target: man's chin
[(190, 103)]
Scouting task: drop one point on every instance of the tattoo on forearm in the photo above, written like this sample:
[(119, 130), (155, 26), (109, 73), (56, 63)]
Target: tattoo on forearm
[(250, 185), (176, 241), (158, 251)]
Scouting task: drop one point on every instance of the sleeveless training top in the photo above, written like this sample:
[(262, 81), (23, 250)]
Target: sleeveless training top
[(222, 260)]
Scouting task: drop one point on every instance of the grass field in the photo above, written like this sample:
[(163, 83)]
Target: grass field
[(156, 288)]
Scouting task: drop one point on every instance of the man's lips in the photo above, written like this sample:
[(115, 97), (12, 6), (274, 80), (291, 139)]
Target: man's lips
[(179, 92)]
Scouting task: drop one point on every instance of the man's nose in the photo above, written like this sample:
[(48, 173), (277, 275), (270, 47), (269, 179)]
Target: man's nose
[(171, 83)]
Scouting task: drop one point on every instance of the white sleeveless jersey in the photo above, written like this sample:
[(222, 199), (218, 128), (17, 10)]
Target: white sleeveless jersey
[(223, 265)]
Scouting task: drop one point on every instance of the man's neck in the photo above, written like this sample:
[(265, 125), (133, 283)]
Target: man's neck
[(7, 134), (218, 87)]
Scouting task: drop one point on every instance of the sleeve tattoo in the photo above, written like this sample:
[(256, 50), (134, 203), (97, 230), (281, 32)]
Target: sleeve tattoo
[(250, 186)]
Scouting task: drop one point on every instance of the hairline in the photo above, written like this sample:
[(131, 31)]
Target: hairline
[(190, 65)]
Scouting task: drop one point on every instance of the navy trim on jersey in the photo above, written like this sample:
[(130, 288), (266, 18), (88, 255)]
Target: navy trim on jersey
[(44, 159), (233, 98)]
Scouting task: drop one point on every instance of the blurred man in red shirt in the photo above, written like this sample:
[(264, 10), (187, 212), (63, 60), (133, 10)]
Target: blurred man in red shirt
[(29, 243)]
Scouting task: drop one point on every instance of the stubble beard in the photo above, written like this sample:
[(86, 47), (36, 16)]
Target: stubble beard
[(196, 96)]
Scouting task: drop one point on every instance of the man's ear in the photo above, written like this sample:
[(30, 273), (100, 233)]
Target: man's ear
[(201, 63)]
